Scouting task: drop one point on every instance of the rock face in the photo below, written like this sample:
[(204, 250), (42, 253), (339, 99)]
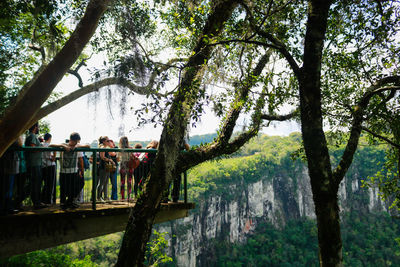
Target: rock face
[(230, 217)]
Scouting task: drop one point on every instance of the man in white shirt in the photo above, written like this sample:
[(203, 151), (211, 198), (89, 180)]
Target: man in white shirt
[(71, 170)]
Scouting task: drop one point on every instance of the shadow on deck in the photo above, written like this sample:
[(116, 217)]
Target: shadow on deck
[(38, 229)]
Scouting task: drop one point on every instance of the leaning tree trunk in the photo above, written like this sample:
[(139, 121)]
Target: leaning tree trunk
[(140, 223), (324, 186), (33, 95)]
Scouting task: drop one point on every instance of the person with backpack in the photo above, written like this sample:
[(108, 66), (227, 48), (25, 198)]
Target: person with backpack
[(138, 170), (146, 161)]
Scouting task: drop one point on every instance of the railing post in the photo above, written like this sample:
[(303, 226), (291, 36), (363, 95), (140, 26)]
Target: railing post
[(185, 186), (94, 179)]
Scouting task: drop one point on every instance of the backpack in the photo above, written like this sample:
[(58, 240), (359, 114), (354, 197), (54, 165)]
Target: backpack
[(86, 164), (133, 162), (144, 157)]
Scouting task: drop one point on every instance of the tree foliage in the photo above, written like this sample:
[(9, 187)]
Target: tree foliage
[(31, 32)]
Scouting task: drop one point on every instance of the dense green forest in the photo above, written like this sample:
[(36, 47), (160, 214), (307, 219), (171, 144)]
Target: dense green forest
[(369, 239)]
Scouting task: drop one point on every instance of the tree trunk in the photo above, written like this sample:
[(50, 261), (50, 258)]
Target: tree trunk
[(324, 186), (18, 117), (138, 230), (328, 221)]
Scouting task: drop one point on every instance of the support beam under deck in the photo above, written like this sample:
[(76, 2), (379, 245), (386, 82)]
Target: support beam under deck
[(34, 230)]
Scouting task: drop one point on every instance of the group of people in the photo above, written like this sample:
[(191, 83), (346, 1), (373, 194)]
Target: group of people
[(112, 163), (33, 173)]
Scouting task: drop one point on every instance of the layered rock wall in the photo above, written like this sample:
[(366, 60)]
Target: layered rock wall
[(231, 216)]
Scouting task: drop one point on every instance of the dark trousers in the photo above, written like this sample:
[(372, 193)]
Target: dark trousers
[(176, 188), (6, 192), (81, 184), (69, 186), (49, 178), (137, 177), (124, 171), (114, 187), (3, 191), (21, 189), (35, 181)]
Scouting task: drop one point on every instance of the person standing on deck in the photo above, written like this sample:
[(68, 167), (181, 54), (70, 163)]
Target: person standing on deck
[(138, 172), (102, 190), (146, 162), (70, 173), (177, 181), (9, 168), (34, 166), (48, 171), (124, 170), (113, 174)]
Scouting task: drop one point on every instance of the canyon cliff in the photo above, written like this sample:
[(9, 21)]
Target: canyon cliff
[(257, 189)]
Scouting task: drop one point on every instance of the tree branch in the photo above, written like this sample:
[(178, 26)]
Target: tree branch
[(39, 49), (279, 45), (356, 127), (141, 90), (246, 41), (273, 117), (51, 107), (76, 73), (166, 66), (387, 140)]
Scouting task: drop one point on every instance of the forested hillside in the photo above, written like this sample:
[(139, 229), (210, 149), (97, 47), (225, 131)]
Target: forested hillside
[(255, 209), (280, 232), (369, 240)]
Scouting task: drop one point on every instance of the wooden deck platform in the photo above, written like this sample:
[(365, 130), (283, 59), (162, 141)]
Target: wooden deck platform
[(38, 229)]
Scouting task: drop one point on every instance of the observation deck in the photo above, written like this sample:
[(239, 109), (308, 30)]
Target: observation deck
[(34, 229)]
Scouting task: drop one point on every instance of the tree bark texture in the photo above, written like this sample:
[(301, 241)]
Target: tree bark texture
[(19, 116), (139, 227), (324, 186)]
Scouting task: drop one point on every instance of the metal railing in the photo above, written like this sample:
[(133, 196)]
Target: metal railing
[(15, 189)]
